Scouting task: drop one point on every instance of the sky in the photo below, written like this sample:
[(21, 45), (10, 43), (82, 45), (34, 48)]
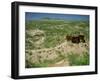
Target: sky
[(38, 16)]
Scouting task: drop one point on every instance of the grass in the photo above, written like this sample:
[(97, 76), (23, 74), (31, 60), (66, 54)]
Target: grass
[(76, 59)]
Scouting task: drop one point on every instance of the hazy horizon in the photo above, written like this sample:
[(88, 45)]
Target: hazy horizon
[(40, 16)]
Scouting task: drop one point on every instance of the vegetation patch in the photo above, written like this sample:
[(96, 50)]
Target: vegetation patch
[(76, 59)]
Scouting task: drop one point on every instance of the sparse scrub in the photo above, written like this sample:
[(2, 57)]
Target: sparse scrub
[(54, 33)]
